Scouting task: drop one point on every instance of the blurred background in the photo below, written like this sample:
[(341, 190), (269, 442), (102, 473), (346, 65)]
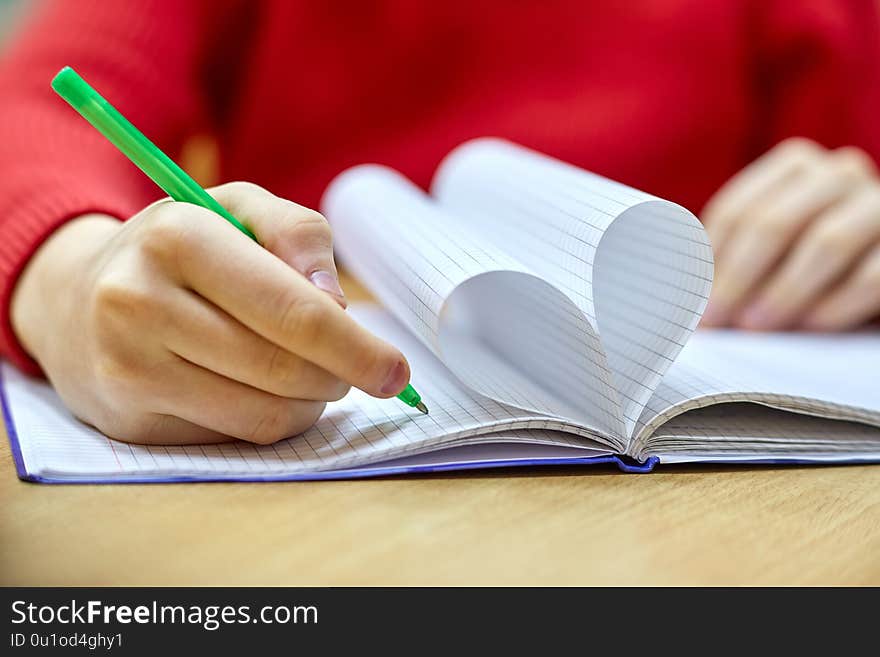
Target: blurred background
[(10, 13), (200, 153)]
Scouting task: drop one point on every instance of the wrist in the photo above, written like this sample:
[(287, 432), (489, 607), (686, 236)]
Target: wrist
[(46, 289)]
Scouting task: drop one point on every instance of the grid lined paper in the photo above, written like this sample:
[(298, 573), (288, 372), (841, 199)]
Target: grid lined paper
[(639, 268), (829, 376), (463, 297), (356, 431), (360, 431), (747, 430)]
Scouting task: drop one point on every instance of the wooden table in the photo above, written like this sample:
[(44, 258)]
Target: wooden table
[(803, 525)]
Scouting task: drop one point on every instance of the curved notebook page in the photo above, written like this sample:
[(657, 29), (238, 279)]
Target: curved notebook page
[(504, 332), (652, 276), (638, 267), (741, 431), (830, 376)]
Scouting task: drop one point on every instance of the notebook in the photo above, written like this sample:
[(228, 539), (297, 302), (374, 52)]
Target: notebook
[(549, 317)]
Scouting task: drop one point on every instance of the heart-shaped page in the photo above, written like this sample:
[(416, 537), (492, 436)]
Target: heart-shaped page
[(504, 332), (639, 268), (536, 283)]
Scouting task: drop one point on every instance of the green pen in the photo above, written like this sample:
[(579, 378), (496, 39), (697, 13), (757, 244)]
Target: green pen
[(161, 169)]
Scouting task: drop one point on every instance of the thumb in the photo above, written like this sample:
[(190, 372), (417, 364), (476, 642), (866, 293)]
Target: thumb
[(297, 235)]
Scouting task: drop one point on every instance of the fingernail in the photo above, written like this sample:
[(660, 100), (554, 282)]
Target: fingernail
[(327, 282), (396, 380)]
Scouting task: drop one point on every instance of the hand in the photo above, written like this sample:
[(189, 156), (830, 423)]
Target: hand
[(176, 327), (796, 237)]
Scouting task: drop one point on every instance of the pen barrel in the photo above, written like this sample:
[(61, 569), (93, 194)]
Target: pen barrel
[(409, 396), (149, 158)]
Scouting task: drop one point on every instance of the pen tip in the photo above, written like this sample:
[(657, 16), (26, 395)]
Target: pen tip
[(421, 406)]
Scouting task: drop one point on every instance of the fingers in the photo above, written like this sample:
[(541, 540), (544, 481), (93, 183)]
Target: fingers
[(759, 238), (230, 408), (260, 291), (299, 236), (827, 251), (855, 301), (215, 341), (167, 430), (754, 184)]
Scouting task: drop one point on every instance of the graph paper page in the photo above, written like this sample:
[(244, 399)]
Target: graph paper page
[(829, 376), (355, 431), (463, 296), (744, 431), (638, 267)]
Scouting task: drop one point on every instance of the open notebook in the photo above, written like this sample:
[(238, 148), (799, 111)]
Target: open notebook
[(548, 316)]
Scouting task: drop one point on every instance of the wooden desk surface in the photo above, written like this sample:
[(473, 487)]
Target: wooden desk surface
[(817, 525)]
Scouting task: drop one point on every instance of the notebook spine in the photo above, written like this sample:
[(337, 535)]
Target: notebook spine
[(630, 465)]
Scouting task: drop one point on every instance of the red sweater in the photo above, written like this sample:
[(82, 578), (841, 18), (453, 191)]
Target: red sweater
[(671, 96)]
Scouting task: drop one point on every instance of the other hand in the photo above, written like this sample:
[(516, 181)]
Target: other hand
[(796, 237)]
